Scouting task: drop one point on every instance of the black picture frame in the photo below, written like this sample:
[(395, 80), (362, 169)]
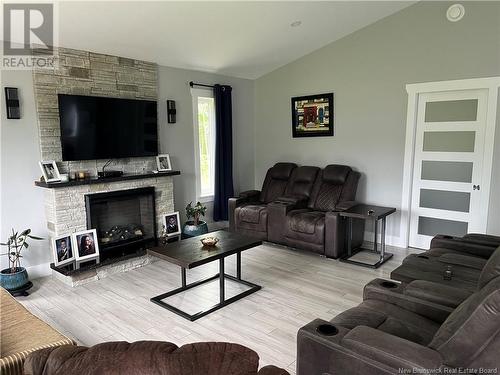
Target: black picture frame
[(322, 112)]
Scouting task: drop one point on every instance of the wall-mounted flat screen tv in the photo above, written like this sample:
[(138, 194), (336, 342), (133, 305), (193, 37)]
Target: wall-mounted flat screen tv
[(107, 128)]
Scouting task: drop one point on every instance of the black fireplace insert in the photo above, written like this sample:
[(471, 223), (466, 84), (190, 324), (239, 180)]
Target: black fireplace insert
[(124, 220)]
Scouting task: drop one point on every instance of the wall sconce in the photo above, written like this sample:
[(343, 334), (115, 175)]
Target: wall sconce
[(12, 101), (171, 111)]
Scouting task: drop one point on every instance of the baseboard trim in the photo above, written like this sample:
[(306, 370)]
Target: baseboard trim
[(389, 240), (39, 270)]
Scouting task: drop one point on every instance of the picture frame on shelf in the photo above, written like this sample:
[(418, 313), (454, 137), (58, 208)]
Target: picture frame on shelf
[(172, 224), (50, 171), (86, 245), (163, 163), (63, 250), (313, 116)]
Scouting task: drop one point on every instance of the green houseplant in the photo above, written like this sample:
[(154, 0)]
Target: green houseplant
[(16, 276), (195, 227)]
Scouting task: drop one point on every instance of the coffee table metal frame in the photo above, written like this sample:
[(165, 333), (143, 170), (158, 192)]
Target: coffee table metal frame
[(222, 276)]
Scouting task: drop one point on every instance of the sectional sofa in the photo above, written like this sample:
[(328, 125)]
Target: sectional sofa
[(420, 326)]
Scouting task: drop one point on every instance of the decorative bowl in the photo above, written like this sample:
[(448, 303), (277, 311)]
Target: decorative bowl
[(209, 241)]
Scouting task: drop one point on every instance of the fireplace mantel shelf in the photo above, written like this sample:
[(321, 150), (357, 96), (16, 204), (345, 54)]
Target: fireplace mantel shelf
[(95, 180)]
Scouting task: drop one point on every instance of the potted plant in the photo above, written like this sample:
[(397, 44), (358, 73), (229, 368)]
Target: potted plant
[(196, 226), (16, 276)]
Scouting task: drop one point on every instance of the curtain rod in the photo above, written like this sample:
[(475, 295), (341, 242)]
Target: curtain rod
[(199, 84)]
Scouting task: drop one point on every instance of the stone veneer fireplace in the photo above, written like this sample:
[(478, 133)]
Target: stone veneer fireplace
[(65, 206)]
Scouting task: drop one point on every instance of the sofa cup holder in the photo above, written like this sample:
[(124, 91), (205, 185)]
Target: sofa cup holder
[(423, 256), (327, 330), (388, 285)]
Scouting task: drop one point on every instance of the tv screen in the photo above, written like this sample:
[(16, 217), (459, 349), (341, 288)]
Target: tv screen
[(107, 128)]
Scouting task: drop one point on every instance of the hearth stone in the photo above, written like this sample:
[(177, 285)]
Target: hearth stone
[(82, 277)]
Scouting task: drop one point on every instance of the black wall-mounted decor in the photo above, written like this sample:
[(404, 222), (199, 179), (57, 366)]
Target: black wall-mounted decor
[(312, 116), (171, 112), (12, 101)]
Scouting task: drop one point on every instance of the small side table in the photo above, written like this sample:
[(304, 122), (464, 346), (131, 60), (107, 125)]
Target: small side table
[(371, 213)]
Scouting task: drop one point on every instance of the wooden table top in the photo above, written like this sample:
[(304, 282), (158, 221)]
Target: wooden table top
[(191, 253)]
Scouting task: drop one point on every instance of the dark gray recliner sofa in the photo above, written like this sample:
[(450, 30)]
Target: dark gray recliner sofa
[(300, 208), (381, 337)]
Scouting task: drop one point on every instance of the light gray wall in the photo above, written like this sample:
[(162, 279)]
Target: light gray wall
[(21, 202), (178, 139), (368, 71)]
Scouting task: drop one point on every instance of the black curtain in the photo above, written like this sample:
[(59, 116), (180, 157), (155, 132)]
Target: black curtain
[(223, 151)]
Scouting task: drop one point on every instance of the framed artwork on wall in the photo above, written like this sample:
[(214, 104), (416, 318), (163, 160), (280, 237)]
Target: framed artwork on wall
[(312, 116)]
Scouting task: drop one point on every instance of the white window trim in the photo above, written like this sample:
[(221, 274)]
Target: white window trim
[(195, 93)]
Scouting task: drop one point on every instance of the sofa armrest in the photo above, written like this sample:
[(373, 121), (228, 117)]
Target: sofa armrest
[(437, 293), (276, 219), (336, 233), (251, 195), (417, 300), (357, 351), (466, 245), (299, 201), (485, 239), (391, 350), (272, 370), (463, 260)]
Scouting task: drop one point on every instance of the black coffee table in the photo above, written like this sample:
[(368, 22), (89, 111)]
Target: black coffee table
[(190, 253)]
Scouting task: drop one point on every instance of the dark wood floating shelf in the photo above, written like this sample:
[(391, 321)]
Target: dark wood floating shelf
[(95, 180)]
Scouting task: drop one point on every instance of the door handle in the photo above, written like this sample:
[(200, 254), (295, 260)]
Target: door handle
[(476, 187)]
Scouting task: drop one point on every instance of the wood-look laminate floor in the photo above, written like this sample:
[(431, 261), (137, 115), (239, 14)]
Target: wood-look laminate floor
[(297, 287)]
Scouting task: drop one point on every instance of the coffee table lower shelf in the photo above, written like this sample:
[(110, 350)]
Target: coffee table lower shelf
[(223, 301)]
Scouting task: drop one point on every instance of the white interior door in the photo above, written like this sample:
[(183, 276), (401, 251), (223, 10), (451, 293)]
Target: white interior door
[(447, 187)]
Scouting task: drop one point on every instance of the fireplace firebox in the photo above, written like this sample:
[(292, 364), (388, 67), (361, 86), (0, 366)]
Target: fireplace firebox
[(124, 220)]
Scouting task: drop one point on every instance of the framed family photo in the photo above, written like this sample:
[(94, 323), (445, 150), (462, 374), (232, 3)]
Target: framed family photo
[(86, 244), (172, 224), (63, 250), (312, 116), (163, 163), (50, 171)]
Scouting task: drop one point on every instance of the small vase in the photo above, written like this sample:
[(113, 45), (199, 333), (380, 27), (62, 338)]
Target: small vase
[(192, 230), (14, 280)]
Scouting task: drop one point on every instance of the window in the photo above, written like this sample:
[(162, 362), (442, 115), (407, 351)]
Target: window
[(204, 136)]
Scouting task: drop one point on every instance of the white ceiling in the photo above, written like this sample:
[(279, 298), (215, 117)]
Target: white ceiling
[(243, 39)]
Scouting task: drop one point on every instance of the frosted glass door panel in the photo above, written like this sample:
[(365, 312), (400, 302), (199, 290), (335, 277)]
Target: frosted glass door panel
[(451, 110), (430, 226), (449, 141), (445, 200), (455, 171)]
